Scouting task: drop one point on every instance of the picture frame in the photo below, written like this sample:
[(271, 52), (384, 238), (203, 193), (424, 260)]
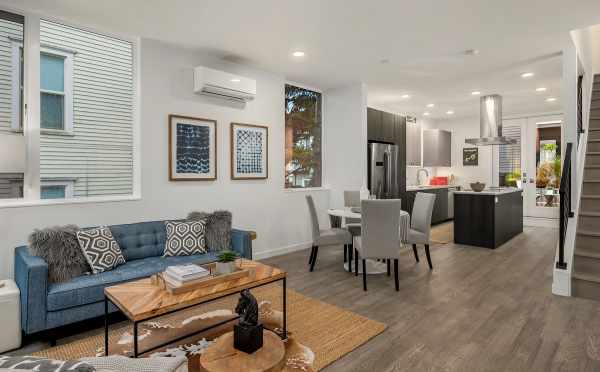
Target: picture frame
[(249, 151), (470, 156), (192, 148)]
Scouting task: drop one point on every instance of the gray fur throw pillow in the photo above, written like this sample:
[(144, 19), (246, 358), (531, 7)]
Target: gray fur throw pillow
[(218, 228), (59, 247)]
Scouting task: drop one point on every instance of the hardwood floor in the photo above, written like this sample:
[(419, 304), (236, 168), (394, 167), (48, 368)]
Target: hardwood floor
[(478, 310)]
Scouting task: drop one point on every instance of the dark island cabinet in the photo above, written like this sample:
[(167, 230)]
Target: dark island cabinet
[(487, 220), (440, 208)]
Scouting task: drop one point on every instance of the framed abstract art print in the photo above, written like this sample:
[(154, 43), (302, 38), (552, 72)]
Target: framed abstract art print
[(249, 151), (192, 149)]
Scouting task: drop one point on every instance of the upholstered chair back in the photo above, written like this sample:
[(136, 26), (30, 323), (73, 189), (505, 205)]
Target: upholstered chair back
[(380, 228), (421, 213)]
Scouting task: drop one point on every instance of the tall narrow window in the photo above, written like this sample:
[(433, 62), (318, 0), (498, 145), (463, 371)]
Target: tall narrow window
[(12, 142), (52, 91), (303, 120)]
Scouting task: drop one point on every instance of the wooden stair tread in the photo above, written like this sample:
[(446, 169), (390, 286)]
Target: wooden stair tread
[(588, 196), (586, 252), (589, 214), (591, 181), (586, 276), (588, 233), (594, 153)]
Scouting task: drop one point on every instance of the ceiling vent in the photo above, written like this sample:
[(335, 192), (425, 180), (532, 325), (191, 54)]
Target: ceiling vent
[(223, 84)]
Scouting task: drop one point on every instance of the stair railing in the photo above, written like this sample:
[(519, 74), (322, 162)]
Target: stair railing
[(565, 206), (580, 129)]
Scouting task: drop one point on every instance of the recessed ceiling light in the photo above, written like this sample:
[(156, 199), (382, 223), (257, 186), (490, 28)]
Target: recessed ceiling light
[(550, 99), (450, 112), (426, 114), (471, 52), (475, 93), (430, 105), (526, 75), (384, 61), (235, 80), (540, 89), (406, 96), (298, 53)]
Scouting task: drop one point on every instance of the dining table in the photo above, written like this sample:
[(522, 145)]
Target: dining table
[(339, 218)]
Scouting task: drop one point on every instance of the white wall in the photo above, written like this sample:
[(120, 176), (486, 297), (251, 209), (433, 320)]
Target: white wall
[(345, 141), (587, 42), (463, 128), (280, 218)]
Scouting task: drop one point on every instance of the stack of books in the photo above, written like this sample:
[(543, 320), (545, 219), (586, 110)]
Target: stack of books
[(180, 275)]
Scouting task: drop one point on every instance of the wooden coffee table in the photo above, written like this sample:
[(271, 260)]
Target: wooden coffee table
[(223, 357), (141, 300)]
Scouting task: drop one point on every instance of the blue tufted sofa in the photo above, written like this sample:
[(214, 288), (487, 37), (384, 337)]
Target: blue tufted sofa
[(46, 306)]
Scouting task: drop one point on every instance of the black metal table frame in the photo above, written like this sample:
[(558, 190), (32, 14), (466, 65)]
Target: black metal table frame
[(136, 353)]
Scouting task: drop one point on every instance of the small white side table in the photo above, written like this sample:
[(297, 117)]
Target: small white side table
[(10, 321)]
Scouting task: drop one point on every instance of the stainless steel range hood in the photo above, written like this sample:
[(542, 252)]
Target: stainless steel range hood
[(490, 123)]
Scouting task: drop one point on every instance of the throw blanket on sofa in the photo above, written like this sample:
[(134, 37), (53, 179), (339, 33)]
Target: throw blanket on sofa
[(43, 364)]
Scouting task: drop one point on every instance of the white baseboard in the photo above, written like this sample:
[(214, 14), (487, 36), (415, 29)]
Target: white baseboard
[(541, 222), (561, 282), (280, 251)]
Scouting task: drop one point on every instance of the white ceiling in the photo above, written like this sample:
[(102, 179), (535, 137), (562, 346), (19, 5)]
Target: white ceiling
[(345, 40)]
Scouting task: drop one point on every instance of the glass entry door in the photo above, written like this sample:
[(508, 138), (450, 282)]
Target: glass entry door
[(542, 149)]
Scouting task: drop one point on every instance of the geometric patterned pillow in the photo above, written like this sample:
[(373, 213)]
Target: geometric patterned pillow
[(185, 238), (100, 249)]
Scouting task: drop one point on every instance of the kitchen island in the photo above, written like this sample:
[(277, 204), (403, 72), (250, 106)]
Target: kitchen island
[(488, 218)]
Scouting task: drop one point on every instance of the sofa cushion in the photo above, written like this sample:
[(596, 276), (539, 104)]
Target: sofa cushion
[(140, 240), (90, 288)]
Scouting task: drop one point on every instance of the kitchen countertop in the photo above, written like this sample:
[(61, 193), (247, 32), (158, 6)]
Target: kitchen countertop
[(505, 190), (429, 187)]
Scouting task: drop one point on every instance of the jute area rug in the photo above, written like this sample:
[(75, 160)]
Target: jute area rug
[(319, 333), (442, 233)]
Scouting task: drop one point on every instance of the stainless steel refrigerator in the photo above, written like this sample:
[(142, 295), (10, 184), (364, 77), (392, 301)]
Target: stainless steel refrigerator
[(383, 170)]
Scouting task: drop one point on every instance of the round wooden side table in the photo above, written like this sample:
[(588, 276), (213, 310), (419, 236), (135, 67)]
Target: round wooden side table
[(222, 357)]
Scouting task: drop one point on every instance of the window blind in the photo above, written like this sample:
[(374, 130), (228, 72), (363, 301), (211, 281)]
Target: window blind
[(510, 155)]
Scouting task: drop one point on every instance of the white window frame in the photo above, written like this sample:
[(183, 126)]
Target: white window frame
[(67, 183), (67, 94), (31, 117), (320, 91), (68, 89)]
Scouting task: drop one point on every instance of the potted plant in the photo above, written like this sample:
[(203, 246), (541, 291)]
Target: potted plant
[(226, 262)]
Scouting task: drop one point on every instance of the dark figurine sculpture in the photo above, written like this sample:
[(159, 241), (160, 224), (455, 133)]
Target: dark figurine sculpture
[(247, 309), (248, 334)]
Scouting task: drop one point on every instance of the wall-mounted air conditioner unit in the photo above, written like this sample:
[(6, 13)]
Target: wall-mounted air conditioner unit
[(223, 84)]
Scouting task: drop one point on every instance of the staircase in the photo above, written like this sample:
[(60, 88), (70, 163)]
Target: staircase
[(586, 264)]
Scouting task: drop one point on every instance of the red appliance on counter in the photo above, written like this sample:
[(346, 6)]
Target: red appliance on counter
[(438, 181)]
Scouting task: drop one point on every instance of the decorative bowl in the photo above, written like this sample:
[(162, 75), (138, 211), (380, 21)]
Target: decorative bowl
[(477, 186), (355, 209)]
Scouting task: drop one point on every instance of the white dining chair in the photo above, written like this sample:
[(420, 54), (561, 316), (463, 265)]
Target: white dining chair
[(420, 224), (321, 238), (380, 235)]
